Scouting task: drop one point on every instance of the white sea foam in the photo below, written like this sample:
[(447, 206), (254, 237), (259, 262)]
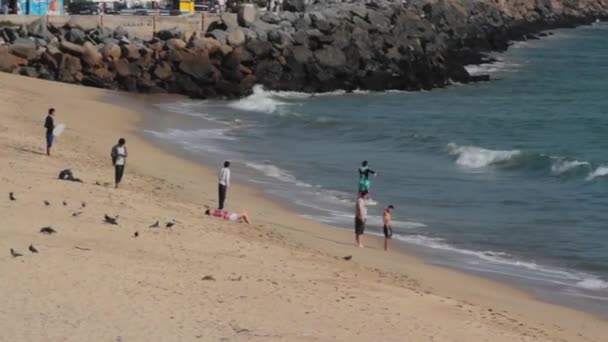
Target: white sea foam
[(593, 284), (260, 101), (477, 157), (600, 171), (561, 166), (273, 171), (499, 262), (196, 140), (491, 68)]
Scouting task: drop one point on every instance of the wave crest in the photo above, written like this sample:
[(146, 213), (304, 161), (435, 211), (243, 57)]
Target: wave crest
[(477, 157)]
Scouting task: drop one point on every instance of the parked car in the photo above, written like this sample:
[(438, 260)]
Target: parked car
[(83, 8)]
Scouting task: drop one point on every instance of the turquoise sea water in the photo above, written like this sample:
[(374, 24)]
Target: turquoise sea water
[(507, 178)]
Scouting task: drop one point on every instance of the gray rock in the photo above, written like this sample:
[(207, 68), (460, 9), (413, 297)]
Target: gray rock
[(289, 16), (120, 32), (303, 22), (294, 5), (163, 71), (175, 44), (246, 15), (249, 34), (218, 35), (229, 19), (37, 28), (300, 38), (379, 21), (173, 32), (262, 28), (271, 18), (236, 38), (330, 56), (259, 48), (91, 56), (24, 48), (302, 54), (71, 48), (76, 36), (320, 22)]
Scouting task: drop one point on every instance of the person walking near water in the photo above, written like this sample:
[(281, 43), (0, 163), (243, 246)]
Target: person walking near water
[(119, 159), (360, 218), (49, 124), (224, 182), (387, 220), (364, 172)]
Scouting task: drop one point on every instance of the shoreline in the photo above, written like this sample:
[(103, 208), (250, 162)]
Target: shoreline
[(471, 297), (421, 253)]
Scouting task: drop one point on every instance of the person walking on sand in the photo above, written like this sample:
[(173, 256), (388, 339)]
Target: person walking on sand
[(49, 124), (360, 217), (119, 159), (388, 230), (224, 182), (364, 172)]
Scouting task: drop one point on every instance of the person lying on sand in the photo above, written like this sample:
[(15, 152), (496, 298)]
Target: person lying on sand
[(230, 216)]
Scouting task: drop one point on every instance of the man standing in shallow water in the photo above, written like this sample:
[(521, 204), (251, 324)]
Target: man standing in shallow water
[(360, 218)]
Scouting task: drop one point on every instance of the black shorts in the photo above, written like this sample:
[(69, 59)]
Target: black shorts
[(388, 232), (359, 226)]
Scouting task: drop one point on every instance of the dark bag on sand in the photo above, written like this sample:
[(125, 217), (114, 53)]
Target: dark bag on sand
[(68, 175)]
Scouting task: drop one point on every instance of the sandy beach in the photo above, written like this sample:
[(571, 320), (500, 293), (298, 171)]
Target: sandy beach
[(282, 278)]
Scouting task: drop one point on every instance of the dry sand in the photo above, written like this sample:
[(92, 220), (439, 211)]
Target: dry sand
[(280, 279)]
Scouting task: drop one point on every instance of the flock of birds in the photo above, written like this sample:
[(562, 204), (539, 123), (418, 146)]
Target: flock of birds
[(107, 219)]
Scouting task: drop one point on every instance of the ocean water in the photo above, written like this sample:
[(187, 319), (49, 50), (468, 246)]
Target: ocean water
[(507, 179)]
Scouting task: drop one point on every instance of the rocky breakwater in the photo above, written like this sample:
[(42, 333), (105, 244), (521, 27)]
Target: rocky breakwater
[(309, 47), (200, 67), (378, 45)]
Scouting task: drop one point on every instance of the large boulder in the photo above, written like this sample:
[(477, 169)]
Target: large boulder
[(229, 19), (24, 48), (163, 71), (38, 28), (260, 48), (330, 56), (71, 48), (246, 15), (207, 43), (294, 5), (175, 44), (91, 56), (76, 36), (130, 51), (124, 69), (10, 62), (302, 54), (70, 68), (169, 34), (219, 35), (111, 51), (236, 38)]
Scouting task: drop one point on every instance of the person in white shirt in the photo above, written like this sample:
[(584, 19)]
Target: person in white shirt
[(119, 158), (360, 217), (224, 182)]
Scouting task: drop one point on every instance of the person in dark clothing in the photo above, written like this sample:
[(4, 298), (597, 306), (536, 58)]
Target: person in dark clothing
[(224, 182), (49, 124), (119, 159)]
